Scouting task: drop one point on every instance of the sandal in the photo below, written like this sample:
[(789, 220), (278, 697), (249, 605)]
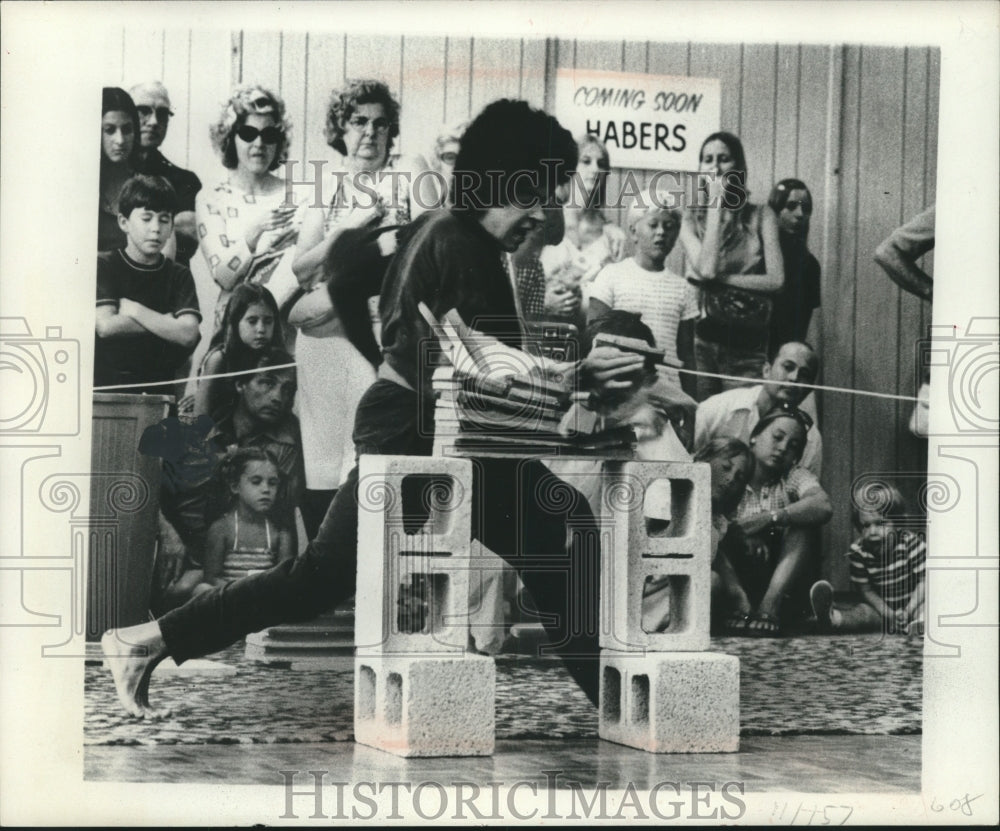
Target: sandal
[(760, 625), (736, 624)]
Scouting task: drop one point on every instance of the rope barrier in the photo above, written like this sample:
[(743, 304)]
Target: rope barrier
[(697, 373)]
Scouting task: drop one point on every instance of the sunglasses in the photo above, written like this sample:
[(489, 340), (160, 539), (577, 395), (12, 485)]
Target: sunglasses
[(145, 111), (359, 122), (270, 135), (801, 416)]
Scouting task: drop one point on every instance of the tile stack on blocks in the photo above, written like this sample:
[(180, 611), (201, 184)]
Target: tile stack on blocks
[(417, 691), (661, 690)]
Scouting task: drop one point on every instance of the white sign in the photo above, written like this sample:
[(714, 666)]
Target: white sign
[(650, 122)]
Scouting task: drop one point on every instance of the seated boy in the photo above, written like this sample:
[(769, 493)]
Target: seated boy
[(644, 284), (887, 570), (147, 308)]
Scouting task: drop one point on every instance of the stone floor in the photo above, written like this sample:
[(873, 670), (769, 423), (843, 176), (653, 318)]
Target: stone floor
[(817, 713)]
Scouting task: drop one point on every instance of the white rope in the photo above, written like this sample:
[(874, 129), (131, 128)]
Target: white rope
[(256, 371), (739, 378)]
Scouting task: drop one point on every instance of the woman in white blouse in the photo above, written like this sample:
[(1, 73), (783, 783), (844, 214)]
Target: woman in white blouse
[(244, 222)]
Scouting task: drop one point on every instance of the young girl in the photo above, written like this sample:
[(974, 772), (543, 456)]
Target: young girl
[(731, 462), (251, 324), (781, 504), (245, 540)]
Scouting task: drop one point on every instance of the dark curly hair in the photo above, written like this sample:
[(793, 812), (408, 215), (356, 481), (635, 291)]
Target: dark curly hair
[(343, 103), (510, 144), (249, 100)]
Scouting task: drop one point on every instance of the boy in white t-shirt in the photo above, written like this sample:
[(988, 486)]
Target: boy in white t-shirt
[(643, 284)]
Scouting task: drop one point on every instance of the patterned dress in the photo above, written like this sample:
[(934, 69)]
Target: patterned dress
[(224, 213)]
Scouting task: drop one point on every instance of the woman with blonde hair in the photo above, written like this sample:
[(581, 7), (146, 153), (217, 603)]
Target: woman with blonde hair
[(245, 225)]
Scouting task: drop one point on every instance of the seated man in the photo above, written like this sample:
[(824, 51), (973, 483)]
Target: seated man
[(192, 495), (736, 412)]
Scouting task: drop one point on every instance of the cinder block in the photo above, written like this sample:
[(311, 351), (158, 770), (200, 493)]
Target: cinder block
[(656, 526), (681, 702), (414, 530), (435, 706)]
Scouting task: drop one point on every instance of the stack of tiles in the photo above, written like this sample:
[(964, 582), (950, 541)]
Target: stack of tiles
[(516, 415), (661, 690), (417, 691)]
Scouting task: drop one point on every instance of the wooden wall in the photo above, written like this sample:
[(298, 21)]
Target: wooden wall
[(857, 123)]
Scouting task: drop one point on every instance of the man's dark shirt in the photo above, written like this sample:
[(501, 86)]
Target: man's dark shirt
[(448, 261)]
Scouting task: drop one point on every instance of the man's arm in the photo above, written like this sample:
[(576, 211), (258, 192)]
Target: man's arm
[(898, 254)]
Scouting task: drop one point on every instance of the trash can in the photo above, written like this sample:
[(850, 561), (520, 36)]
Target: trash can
[(124, 509)]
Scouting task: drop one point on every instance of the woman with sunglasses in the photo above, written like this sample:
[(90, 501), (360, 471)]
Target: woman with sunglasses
[(362, 123), (245, 218), (781, 507)]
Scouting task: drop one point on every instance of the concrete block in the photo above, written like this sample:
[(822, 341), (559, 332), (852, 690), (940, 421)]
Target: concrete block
[(656, 548), (434, 706), (682, 702), (414, 530)]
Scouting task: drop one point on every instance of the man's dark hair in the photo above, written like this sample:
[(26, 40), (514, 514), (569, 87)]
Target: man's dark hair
[(272, 356), (511, 153), (153, 193), (617, 322)]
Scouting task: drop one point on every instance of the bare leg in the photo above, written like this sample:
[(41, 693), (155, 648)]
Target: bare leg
[(132, 654), (794, 553)]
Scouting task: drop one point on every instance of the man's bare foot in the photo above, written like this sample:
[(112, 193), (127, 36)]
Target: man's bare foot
[(132, 654)]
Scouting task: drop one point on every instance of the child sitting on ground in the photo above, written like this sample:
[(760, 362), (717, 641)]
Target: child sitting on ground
[(251, 324), (644, 284), (245, 540), (887, 570), (147, 308), (781, 505), (731, 463)]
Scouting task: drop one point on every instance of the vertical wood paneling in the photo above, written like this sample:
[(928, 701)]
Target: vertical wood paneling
[(722, 61), (325, 72), (758, 123), (458, 79), (496, 71), (814, 71), (294, 89), (261, 62), (879, 198), (209, 86), (533, 71), (786, 120), (176, 78), (838, 332), (143, 57), (423, 91)]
